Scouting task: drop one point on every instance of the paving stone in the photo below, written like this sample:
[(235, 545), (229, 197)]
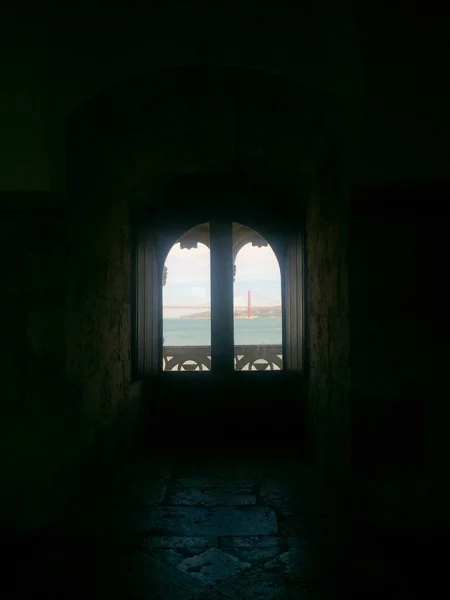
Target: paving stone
[(210, 493), (255, 549), (276, 578), (213, 566), (258, 584), (185, 521), (185, 548), (174, 557), (175, 542), (141, 577)]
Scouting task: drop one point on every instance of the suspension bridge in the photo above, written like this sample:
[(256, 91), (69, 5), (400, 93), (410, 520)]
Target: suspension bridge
[(250, 306)]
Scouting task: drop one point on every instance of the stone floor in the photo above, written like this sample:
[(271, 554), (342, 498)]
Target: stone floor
[(213, 527), (219, 524)]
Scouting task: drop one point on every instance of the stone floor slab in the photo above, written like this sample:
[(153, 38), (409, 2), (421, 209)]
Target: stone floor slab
[(258, 584), (193, 521), (175, 555), (255, 549), (213, 566), (213, 494), (277, 578), (177, 542)]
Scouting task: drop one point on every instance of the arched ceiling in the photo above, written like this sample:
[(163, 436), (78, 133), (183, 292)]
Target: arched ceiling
[(73, 50), (203, 120)]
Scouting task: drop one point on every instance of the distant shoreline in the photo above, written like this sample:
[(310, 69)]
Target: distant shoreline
[(184, 318), (257, 313)]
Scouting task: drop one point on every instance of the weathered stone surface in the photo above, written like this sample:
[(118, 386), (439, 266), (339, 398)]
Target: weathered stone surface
[(234, 493), (328, 319), (279, 577), (213, 566), (254, 549), (174, 557), (181, 521), (175, 542), (174, 550), (257, 583)]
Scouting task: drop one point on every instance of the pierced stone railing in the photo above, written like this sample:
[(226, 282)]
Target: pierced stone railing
[(246, 358)]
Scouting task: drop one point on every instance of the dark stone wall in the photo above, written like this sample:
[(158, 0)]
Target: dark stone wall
[(64, 410), (98, 308), (33, 260), (35, 425), (98, 342), (399, 415), (328, 314)]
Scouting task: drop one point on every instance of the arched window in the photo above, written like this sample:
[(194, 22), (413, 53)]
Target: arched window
[(258, 315), (187, 303), (219, 297)]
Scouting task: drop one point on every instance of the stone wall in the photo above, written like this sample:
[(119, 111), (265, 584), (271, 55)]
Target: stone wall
[(65, 354), (98, 345), (33, 260), (399, 416), (35, 420), (328, 315), (386, 329)]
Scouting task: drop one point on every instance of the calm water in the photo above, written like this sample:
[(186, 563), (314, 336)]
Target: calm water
[(197, 332)]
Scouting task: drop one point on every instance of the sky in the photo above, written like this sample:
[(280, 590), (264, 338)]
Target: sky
[(188, 278)]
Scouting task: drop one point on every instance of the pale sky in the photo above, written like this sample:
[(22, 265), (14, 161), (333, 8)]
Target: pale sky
[(188, 279)]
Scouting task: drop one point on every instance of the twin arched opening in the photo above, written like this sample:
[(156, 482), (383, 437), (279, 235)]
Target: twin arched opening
[(256, 301)]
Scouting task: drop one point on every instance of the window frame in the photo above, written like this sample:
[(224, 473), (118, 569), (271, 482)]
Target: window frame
[(151, 246)]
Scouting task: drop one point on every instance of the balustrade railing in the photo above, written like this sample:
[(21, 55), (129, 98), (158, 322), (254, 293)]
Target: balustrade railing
[(246, 358)]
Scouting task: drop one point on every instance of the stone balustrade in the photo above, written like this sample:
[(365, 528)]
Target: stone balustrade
[(246, 358)]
